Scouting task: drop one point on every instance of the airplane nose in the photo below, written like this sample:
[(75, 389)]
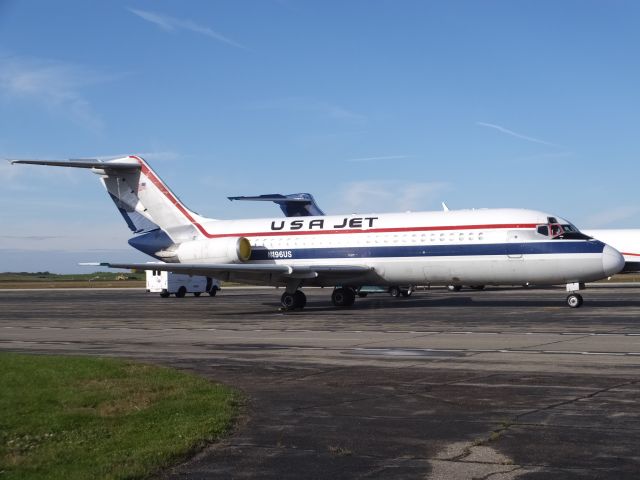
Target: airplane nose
[(612, 260)]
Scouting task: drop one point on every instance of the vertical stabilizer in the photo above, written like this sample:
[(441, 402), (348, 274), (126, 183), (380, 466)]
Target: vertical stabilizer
[(140, 192)]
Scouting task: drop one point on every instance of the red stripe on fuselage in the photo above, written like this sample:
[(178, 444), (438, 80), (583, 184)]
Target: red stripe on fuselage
[(370, 230), (146, 171)]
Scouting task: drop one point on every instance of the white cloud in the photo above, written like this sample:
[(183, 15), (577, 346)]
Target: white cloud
[(388, 196), (55, 85), (516, 134), (171, 24)]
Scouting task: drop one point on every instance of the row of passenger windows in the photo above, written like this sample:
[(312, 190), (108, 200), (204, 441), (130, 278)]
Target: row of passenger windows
[(393, 239)]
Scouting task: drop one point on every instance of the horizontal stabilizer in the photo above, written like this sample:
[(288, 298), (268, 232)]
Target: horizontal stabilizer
[(144, 201), (81, 164)]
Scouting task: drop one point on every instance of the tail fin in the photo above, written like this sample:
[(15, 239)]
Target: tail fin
[(142, 198)]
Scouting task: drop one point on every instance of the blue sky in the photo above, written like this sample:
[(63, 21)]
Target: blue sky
[(370, 105)]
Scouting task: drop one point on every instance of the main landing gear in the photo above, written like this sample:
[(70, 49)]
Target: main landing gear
[(397, 291), (343, 297), (293, 301)]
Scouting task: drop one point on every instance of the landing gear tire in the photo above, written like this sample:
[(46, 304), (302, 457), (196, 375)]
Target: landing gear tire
[(343, 297), (394, 291), (292, 301), (574, 300), (164, 294), (406, 293), (301, 299), (454, 288), (182, 291), (213, 291)]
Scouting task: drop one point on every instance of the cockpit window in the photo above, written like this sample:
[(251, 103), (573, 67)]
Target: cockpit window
[(561, 231), (556, 230)]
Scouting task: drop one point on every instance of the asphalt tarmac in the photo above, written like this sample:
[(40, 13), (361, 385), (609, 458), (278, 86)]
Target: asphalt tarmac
[(496, 384)]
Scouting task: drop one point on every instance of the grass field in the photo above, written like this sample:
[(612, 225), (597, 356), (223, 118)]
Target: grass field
[(79, 418), (81, 280)]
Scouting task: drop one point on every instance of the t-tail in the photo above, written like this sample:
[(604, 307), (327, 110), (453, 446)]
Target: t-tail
[(150, 209)]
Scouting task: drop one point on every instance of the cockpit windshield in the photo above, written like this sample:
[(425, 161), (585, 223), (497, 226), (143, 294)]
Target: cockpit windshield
[(565, 231)]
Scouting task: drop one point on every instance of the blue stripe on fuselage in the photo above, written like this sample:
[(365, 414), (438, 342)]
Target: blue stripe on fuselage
[(530, 248)]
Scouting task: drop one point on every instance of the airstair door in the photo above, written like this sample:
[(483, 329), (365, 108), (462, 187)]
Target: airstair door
[(514, 245)]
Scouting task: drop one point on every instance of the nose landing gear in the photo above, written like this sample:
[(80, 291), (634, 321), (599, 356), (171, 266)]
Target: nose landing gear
[(574, 300)]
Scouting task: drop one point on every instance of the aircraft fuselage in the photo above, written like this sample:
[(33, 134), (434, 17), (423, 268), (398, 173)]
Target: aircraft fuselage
[(489, 246)]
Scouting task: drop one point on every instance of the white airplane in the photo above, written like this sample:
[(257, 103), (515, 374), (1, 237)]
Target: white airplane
[(490, 246)]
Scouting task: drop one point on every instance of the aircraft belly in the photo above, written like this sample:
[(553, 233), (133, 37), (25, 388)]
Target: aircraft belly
[(558, 269), (494, 269)]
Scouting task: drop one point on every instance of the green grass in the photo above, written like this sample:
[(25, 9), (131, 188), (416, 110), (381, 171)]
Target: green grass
[(54, 277), (79, 418)]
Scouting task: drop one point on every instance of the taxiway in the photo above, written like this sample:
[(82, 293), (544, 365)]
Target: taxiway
[(500, 383)]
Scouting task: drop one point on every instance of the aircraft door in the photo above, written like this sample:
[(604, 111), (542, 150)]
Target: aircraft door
[(514, 250)]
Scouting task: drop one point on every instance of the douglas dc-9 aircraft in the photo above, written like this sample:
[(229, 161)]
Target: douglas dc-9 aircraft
[(474, 247)]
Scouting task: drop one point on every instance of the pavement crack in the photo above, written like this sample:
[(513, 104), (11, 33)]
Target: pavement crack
[(417, 390), (562, 340), (492, 474), (575, 399), (412, 337)]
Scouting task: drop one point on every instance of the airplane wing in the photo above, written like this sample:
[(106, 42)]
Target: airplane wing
[(85, 163), (248, 271)]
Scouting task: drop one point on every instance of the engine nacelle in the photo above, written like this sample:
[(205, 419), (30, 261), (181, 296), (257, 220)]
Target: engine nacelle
[(214, 250)]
